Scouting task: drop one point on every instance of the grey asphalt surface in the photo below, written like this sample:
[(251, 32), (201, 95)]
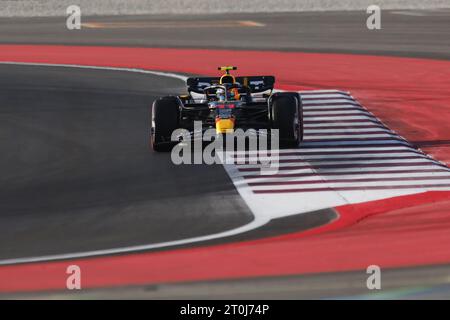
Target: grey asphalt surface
[(77, 173), (423, 34)]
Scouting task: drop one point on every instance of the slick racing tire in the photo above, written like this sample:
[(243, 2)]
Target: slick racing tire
[(287, 117), (165, 119)]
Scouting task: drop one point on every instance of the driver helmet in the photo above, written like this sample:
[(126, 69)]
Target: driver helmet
[(220, 93)]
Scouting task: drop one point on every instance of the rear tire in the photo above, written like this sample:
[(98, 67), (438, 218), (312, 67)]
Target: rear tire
[(165, 119), (287, 118)]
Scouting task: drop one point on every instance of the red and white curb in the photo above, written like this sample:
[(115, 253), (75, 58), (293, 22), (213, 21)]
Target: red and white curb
[(348, 156)]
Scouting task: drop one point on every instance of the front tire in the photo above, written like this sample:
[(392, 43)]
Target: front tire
[(165, 119)]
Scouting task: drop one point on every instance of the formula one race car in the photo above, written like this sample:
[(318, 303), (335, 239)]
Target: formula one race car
[(227, 103)]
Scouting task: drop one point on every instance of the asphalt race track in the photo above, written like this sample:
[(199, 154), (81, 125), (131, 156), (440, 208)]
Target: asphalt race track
[(78, 159), (77, 173)]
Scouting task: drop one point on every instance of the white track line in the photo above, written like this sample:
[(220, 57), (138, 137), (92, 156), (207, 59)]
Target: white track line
[(344, 130), (364, 124), (326, 157), (356, 176), (134, 70)]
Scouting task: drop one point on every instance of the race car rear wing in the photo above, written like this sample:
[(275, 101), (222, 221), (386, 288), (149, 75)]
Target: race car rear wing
[(254, 83)]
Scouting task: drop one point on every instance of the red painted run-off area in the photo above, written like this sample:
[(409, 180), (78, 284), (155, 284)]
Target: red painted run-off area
[(412, 96)]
